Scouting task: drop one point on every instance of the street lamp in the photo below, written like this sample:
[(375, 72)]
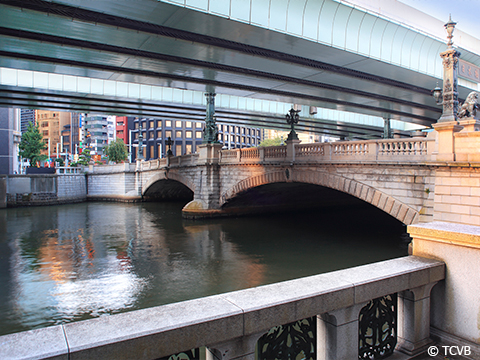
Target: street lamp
[(140, 143), (292, 118), (438, 95), (169, 143), (448, 96)]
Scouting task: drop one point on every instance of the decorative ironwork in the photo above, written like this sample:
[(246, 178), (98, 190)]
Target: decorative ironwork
[(378, 328), (210, 133), (193, 354), (140, 143), (292, 119), (169, 143), (296, 340)]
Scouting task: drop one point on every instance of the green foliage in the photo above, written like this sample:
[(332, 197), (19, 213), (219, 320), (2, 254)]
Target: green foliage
[(32, 144), (271, 142), (84, 158), (116, 151), (60, 161)]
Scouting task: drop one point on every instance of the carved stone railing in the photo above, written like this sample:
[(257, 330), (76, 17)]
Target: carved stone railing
[(283, 318), (67, 170), (396, 150)]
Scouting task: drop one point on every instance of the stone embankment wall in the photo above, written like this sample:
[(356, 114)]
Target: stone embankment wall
[(113, 183), (22, 190)]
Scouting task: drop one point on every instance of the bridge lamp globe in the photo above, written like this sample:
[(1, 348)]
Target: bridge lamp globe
[(438, 95)]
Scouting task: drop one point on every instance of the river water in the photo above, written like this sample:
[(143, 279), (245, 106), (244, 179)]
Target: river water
[(72, 262)]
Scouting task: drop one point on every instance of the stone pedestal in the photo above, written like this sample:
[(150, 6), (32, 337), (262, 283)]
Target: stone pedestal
[(209, 153), (291, 149), (470, 124), (455, 302), (445, 144)]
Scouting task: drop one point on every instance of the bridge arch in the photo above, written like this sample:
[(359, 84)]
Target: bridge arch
[(166, 175), (399, 210)]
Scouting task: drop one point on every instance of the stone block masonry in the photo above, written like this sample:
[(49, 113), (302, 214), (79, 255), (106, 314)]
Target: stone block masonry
[(34, 190)]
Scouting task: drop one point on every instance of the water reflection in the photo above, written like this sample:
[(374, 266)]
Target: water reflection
[(72, 262)]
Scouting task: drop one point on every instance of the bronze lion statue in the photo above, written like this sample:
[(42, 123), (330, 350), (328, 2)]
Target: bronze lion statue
[(470, 106)]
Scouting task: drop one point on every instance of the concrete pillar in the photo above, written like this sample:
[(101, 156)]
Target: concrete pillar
[(414, 320), (338, 334)]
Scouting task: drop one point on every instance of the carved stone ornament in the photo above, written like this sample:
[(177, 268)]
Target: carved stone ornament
[(470, 106)]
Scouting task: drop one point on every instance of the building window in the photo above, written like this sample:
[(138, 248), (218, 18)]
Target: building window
[(198, 135), (243, 139), (243, 130), (188, 124), (178, 150), (152, 135), (188, 149), (198, 125), (120, 123), (188, 134), (159, 124), (168, 123), (178, 124), (178, 134), (45, 132), (159, 134), (159, 150), (152, 155), (136, 125), (238, 139), (168, 134), (152, 124)]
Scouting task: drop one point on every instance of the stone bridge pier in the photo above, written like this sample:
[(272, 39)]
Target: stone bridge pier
[(392, 176)]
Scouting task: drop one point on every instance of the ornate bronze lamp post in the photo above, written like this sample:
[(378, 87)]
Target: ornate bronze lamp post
[(169, 143), (210, 133), (292, 119), (140, 143), (448, 96)]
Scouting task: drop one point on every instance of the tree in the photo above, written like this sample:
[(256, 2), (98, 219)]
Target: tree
[(116, 151), (32, 144), (271, 142), (84, 157)]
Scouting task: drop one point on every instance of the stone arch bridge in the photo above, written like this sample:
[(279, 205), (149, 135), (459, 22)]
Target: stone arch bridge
[(394, 175)]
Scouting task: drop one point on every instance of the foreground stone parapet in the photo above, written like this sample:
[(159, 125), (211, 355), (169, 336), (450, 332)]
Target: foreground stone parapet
[(456, 302), (231, 321)]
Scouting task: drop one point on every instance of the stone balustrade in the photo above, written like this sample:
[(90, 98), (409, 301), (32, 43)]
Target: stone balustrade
[(67, 170), (394, 150), (230, 324)]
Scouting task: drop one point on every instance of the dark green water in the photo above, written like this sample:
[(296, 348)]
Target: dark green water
[(67, 263)]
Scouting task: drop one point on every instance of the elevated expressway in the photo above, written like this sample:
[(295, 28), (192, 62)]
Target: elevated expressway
[(156, 58)]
